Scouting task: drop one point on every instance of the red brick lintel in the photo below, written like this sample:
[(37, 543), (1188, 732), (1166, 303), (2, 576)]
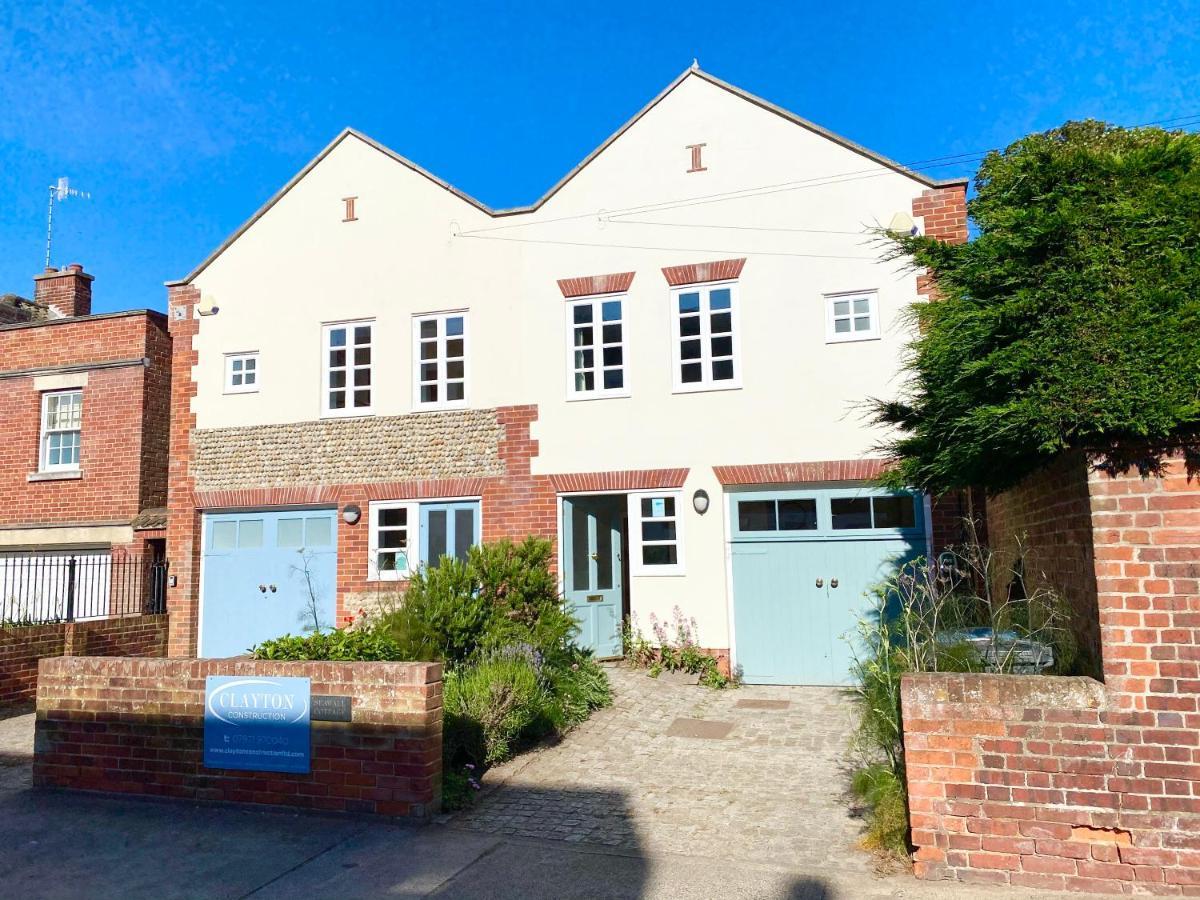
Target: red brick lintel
[(590, 285), (787, 473), (698, 273), (632, 480)]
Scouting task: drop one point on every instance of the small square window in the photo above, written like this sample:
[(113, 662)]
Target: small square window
[(241, 373), (851, 317)]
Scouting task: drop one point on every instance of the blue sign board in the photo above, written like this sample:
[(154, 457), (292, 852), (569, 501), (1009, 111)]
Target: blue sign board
[(257, 723)]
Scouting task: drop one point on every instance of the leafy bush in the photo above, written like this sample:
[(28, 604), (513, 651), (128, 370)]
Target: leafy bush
[(503, 595), (489, 707), (339, 644)]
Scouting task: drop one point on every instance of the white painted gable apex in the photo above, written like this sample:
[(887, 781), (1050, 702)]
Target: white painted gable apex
[(693, 71)]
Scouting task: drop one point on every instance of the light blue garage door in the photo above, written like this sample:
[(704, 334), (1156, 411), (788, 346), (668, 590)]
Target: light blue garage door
[(805, 565), (266, 574)]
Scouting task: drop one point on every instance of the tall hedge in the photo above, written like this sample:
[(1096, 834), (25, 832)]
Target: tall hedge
[(1071, 320)]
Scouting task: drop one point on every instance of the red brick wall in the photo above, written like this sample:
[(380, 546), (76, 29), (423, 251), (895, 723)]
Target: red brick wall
[(122, 457), (1047, 520), (21, 648), (137, 726), (1067, 783)]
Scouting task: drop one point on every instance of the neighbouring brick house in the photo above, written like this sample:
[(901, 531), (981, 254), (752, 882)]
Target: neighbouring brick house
[(376, 370), (1076, 783), (84, 414)]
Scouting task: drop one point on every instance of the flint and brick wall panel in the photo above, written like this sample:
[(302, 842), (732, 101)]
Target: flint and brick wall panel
[(137, 726), (1064, 782), (349, 451), (23, 647)]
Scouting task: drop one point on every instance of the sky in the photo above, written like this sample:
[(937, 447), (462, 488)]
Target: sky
[(182, 119)]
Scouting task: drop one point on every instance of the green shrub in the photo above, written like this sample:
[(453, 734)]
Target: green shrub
[(503, 595), (338, 644), (574, 690), (489, 707), (441, 616), (884, 794)]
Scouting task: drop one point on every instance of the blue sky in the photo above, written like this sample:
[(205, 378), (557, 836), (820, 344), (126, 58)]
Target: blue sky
[(182, 120)]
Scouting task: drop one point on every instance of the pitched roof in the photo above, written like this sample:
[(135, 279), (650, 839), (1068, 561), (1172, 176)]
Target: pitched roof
[(692, 72), (16, 310)]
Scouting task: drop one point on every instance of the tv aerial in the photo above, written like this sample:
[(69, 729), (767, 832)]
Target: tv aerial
[(60, 192)]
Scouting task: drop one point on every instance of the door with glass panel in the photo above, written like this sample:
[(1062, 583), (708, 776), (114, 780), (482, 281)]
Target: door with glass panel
[(266, 574), (592, 540), (448, 529)]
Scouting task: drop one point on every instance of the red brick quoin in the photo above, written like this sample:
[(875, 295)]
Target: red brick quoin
[(143, 729), (1065, 783)]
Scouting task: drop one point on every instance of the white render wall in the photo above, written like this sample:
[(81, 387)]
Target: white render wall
[(300, 266)]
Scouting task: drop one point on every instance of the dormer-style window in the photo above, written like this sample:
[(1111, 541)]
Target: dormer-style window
[(346, 368)]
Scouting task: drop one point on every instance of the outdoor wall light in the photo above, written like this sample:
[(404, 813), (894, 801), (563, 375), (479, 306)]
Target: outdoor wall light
[(351, 514), (700, 501)]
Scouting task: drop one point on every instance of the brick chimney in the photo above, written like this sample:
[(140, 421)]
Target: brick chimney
[(68, 292)]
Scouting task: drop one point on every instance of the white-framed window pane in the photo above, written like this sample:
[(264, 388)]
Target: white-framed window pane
[(656, 532), (596, 347), (851, 318), (241, 373), (348, 356), (440, 365), (61, 434), (393, 527), (705, 339)]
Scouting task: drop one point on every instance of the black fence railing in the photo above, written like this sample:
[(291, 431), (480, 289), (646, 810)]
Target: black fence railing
[(65, 586)]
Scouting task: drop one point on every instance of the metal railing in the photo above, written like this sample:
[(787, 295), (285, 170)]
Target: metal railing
[(39, 587)]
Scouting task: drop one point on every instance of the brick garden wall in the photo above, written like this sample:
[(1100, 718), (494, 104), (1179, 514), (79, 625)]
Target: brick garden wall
[(1067, 783), (136, 726), (22, 647)]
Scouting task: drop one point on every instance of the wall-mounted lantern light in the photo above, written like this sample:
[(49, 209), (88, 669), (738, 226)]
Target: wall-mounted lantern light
[(700, 501), (351, 514)]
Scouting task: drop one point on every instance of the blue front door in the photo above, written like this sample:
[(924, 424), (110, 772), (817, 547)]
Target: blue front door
[(593, 557), (806, 565), (266, 574)]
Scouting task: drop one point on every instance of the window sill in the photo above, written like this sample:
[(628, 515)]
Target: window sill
[(64, 475), (440, 407), (616, 395), (706, 388), (853, 340), (352, 414)]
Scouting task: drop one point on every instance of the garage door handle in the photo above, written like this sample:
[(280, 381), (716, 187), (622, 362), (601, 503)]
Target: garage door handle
[(833, 582), (820, 582), (273, 588), (262, 588)]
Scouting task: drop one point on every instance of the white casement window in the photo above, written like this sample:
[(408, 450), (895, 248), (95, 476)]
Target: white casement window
[(346, 368), (596, 348), (851, 317), (440, 361), (657, 536), (241, 373), (62, 424), (393, 540), (705, 342)]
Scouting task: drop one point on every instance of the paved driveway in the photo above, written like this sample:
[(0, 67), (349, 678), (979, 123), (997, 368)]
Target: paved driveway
[(755, 774), (628, 807)]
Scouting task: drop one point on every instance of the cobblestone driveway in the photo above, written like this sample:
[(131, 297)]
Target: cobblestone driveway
[(772, 790)]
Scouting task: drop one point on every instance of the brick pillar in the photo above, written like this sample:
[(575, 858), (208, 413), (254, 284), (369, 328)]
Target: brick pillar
[(520, 503), (67, 292), (183, 525), (1147, 559), (943, 211)]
